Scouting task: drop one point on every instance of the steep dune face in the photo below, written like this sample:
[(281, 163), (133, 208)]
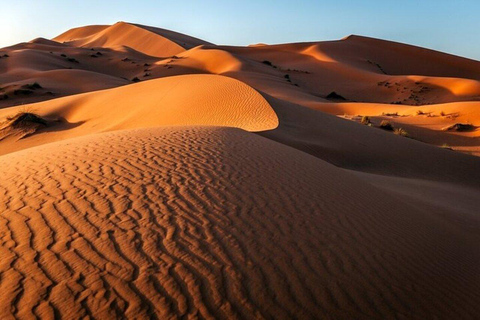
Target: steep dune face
[(182, 100), (211, 222), (79, 33), (134, 36)]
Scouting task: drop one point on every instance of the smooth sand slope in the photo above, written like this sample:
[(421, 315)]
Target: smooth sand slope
[(181, 100), (212, 222), (151, 41), (364, 74)]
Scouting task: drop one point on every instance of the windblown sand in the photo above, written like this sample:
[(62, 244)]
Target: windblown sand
[(228, 182)]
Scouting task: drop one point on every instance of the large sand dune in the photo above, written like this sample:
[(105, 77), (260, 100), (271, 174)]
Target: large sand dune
[(218, 223), (172, 101), (152, 41), (149, 174)]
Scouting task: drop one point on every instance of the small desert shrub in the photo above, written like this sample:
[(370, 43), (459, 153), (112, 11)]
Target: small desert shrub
[(268, 63), (395, 114), (401, 132), (442, 114), (460, 127), (420, 112), (365, 120), (386, 125), (135, 79), (63, 55), (73, 60), (32, 86), (21, 124), (22, 118)]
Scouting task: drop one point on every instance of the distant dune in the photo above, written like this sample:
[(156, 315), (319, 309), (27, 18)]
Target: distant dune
[(147, 174), (151, 41)]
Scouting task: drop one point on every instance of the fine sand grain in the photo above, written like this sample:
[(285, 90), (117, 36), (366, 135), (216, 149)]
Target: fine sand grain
[(211, 222)]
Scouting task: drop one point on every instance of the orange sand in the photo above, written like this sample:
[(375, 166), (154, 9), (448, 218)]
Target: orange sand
[(180, 179)]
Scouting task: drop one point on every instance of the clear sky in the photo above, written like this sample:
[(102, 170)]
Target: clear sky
[(449, 26)]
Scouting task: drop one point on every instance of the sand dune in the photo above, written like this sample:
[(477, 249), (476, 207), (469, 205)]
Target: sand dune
[(182, 100), (207, 222), (151, 41), (147, 174)]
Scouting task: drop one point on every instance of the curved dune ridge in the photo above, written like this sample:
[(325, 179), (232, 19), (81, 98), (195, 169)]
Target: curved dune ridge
[(217, 222), (147, 174), (181, 100), (143, 39)]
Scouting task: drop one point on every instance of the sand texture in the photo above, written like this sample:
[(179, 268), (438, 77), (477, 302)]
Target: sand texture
[(147, 174)]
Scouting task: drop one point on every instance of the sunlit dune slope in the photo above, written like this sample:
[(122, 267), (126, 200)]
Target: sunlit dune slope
[(151, 41), (80, 32), (181, 100), (362, 69), (359, 69), (217, 222)]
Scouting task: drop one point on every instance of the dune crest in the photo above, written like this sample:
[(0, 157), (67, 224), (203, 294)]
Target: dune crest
[(215, 222), (137, 37), (182, 100), (147, 174)]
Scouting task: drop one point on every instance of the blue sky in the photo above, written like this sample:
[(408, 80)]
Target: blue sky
[(449, 26)]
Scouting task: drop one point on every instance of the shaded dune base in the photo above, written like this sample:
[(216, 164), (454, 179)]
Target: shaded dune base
[(217, 222)]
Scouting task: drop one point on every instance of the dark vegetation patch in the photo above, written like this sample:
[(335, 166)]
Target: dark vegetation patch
[(32, 86), (22, 124), (366, 121), (460, 127), (386, 125), (24, 92), (401, 132)]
